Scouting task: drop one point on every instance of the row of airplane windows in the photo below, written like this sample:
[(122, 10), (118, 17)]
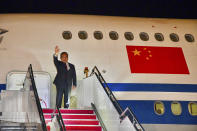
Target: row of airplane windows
[(128, 36), (176, 108)]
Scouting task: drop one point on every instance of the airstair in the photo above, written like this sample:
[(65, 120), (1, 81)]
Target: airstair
[(97, 109)]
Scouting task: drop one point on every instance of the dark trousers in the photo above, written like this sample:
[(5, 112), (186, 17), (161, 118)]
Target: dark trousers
[(62, 90)]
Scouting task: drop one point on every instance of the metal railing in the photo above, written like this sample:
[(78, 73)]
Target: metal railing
[(30, 79), (59, 118), (127, 112), (99, 117)]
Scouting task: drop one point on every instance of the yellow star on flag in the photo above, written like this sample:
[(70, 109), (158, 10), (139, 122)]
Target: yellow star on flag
[(136, 52)]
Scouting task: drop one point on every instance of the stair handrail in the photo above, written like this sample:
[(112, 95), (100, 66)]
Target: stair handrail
[(132, 118), (113, 99), (99, 117), (33, 87), (59, 118)]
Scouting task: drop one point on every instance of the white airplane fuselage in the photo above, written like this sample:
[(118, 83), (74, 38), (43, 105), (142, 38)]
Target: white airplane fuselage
[(31, 39)]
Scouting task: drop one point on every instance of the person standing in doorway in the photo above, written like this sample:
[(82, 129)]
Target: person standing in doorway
[(65, 78)]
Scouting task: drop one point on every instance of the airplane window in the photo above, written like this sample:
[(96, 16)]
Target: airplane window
[(113, 35), (189, 37), (159, 108), (128, 36), (159, 37), (98, 35), (144, 36), (176, 108), (192, 106), (67, 35), (174, 37), (83, 35)]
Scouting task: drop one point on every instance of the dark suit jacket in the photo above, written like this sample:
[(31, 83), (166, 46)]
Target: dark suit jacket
[(64, 77)]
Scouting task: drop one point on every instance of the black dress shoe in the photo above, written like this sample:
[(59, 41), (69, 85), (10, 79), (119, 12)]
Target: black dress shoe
[(66, 106)]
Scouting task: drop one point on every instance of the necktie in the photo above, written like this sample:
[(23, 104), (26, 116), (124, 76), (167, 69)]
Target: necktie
[(66, 67)]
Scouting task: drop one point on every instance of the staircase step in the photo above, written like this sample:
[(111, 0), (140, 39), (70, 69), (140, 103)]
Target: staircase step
[(81, 128), (86, 128), (72, 111), (74, 116), (77, 122)]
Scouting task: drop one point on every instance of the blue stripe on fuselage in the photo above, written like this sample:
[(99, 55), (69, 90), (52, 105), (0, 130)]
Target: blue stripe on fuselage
[(2, 87), (153, 87), (144, 111)]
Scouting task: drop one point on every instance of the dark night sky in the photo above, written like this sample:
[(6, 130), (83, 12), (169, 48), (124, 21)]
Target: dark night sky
[(135, 8)]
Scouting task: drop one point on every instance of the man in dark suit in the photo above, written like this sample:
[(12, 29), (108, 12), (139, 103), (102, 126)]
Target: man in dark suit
[(65, 78)]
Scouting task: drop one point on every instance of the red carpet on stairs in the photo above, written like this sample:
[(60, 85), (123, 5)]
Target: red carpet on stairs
[(75, 120)]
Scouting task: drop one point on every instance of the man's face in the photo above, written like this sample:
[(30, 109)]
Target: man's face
[(64, 58)]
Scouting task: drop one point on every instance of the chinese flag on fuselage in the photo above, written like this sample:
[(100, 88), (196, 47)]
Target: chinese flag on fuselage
[(163, 60)]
